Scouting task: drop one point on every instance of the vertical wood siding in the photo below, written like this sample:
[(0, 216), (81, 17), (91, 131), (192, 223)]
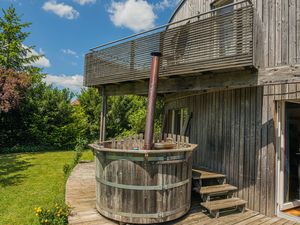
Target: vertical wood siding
[(281, 25), (235, 133)]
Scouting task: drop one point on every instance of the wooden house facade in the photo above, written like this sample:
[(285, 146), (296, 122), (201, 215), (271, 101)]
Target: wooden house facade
[(230, 76)]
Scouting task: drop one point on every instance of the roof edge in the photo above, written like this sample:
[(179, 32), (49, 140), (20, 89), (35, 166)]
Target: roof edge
[(176, 10)]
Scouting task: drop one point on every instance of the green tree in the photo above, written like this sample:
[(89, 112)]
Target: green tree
[(12, 87), (17, 76), (126, 115), (90, 104), (13, 53), (137, 115), (49, 117)]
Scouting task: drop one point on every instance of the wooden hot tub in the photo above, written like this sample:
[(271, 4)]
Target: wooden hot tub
[(143, 186)]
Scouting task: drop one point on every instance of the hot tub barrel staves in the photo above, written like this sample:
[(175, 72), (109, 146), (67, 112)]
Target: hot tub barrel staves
[(143, 186)]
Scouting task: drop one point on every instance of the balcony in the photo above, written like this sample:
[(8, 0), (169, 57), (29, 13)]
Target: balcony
[(219, 40)]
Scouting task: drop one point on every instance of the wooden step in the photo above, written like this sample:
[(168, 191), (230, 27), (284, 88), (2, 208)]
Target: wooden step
[(223, 203), (216, 190), (202, 174), (214, 206)]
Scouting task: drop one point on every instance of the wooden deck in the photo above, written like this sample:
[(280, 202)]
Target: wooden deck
[(80, 193)]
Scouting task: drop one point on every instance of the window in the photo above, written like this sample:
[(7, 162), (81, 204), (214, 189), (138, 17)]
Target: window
[(177, 122)]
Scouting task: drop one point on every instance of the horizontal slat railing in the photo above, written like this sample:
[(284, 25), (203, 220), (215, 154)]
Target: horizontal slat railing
[(214, 41)]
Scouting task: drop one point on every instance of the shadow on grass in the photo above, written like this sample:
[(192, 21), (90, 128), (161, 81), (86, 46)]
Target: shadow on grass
[(10, 167)]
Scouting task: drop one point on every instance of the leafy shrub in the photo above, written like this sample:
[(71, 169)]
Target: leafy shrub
[(57, 215), (12, 87), (67, 170), (81, 144)]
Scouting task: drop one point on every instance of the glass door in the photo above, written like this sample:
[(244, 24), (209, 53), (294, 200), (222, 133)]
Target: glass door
[(292, 154), (288, 156)]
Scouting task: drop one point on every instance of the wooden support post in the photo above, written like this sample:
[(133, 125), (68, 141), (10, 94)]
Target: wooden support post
[(103, 114)]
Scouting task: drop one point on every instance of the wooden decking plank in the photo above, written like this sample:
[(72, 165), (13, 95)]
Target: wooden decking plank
[(235, 218), (189, 219), (217, 189), (225, 218), (290, 223), (250, 220), (194, 214), (261, 221), (273, 220), (281, 222), (202, 220)]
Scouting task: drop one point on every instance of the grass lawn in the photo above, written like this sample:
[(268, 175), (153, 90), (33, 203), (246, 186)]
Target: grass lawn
[(30, 180)]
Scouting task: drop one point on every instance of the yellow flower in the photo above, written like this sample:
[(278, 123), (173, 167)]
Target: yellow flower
[(37, 214), (46, 221)]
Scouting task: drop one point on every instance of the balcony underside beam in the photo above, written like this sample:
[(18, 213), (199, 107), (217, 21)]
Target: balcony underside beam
[(210, 82)]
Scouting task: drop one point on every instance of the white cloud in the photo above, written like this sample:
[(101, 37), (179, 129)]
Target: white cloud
[(61, 9), (43, 61), (162, 5), (84, 2), (69, 52), (136, 15), (74, 83)]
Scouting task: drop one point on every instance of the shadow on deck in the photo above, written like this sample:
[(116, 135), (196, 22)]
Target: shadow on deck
[(80, 194)]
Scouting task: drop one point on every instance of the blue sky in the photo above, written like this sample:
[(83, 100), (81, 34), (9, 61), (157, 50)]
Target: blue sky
[(64, 30)]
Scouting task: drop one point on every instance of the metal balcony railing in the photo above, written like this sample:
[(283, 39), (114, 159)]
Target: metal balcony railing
[(216, 40)]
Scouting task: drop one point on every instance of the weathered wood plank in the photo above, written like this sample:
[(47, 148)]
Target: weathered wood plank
[(213, 82), (223, 203), (252, 147), (278, 33), (241, 151), (272, 32), (214, 189), (247, 152), (285, 32), (292, 32), (271, 154), (258, 154), (237, 103), (265, 20), (203, 174)]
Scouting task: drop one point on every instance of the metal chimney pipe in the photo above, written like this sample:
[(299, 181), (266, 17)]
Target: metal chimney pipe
[(151, 100)]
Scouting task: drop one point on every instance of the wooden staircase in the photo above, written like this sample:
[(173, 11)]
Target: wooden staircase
[(216, 194)]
